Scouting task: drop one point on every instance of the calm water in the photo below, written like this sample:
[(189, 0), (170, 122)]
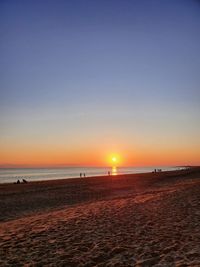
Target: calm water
[(12, 175)]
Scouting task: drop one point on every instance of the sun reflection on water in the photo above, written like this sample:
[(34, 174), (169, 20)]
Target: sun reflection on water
[(114, 171)]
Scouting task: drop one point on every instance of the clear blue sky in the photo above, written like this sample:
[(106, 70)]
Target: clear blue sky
[(82, 75)]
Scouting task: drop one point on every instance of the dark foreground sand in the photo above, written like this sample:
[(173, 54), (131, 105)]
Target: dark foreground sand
[(128, 220)]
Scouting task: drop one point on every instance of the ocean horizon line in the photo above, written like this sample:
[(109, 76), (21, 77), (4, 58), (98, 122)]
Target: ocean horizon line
[(96, 166), (11, 175)]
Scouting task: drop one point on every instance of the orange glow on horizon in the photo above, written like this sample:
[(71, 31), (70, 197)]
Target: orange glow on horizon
[(51, 156)]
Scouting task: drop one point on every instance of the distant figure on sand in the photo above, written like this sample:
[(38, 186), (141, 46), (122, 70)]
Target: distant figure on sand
[(84, 174), (80, 174)]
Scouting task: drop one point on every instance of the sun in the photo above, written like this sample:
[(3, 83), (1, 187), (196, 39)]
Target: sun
[(114, 159)]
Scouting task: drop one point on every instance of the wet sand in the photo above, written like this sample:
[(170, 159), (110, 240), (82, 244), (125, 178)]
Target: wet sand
[(127, 220)]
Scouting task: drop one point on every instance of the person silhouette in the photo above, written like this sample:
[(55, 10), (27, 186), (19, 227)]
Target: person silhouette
[(80, 174)]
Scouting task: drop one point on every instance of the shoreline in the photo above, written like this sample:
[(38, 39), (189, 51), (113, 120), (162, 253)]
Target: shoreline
[(83, 170), (18, 200), (102, 176), (112, 221)]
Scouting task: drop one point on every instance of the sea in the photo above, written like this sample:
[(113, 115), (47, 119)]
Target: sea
[(11, 175)]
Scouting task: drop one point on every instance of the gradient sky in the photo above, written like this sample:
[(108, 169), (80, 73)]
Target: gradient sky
[(82, 79)]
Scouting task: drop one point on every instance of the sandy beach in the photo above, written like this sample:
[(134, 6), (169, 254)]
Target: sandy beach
[(128, 220)]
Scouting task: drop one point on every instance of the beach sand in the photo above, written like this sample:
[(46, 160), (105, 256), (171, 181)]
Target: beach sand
[(127, 220)]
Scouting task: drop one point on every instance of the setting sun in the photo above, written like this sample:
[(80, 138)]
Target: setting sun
[(114, 159)]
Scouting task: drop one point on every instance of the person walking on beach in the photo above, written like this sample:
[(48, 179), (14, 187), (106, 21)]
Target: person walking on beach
[(84, 174), (80, 175)]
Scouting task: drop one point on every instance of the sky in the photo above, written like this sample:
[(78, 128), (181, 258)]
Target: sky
[(82, 80)]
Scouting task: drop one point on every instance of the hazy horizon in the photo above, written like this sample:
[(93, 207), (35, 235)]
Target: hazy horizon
[(10, 166)]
